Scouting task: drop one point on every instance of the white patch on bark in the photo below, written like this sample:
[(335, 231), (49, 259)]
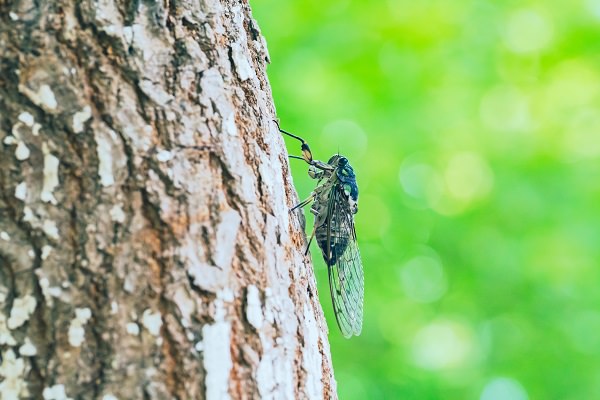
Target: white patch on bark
[(11, 369), (227, 231), (117, 214), (186, 305), (28, 215), (109, 397), (152, 49), (129, 283), (50, 176), (49, 227), (14, 16), (128, 34), (253, 307), (16, 130), (243, 67), (26, 118), (48, 291), (311, 357), (76, 328), (113, 30), (217, 359), (132, 328), (155, 92), (239, 49), (10, 140), (21, 191), (274, 373), (43, 97), (106, 12), (260, 45), (27, 349), (47, 98), (268, 310), (164, 156), (36, 129), (212, 83), (6, 337), (234, 158), (152, 321), (46, 250), (22, 309), (56, 392), (214, 278), (225, 295), (229, 125), (264, 375), (104, 150), (80, 117), (4, 236), (44, 285), (22, 151)]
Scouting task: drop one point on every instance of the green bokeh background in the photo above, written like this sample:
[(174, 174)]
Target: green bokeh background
[(474, 130)]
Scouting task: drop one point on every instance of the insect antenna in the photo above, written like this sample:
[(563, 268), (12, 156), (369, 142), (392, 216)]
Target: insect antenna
[(305, 149), (290, 134)]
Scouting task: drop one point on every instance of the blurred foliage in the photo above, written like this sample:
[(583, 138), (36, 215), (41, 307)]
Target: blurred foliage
[(474, 129)]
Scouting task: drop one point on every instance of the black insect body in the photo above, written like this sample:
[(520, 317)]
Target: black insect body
[(335, 201)]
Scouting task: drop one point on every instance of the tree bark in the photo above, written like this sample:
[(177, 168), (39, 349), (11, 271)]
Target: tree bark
[(146, 247)]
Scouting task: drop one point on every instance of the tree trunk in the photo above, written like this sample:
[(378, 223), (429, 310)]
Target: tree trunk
[(146, 247)]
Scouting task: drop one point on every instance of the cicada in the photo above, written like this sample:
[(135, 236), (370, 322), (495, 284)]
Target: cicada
[(334, 204)]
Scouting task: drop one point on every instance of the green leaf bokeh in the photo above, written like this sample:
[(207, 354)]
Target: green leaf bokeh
[(474, 130)]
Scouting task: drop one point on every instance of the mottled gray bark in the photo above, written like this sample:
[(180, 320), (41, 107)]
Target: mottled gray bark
[(146, 248)]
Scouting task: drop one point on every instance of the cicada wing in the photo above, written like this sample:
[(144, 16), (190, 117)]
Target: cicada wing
[(346, 279)]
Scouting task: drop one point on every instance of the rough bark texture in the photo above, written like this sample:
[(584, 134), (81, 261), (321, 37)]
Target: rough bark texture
[(146, 248)]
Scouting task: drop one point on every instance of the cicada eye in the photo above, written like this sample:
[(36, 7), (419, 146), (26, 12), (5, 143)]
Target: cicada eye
[(342, 161)]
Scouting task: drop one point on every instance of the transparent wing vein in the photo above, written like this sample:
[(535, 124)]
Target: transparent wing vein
[(346, 280)]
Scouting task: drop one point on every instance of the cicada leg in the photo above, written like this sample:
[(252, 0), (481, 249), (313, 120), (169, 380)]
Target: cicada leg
[(315, 173), (312, 236), (303, 203)]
